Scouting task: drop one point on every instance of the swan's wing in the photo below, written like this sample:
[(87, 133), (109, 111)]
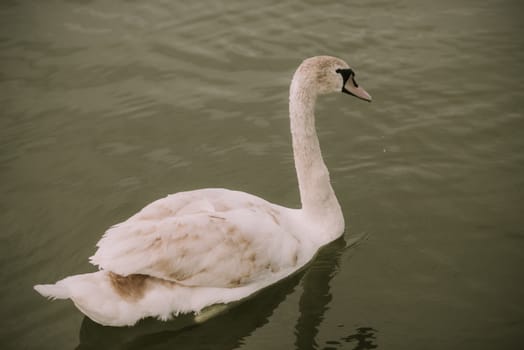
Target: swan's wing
[(200, 238)]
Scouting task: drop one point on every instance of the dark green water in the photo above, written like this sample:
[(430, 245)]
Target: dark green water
[(108, 105)]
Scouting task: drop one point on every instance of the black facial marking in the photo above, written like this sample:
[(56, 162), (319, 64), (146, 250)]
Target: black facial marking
[(347, 73)]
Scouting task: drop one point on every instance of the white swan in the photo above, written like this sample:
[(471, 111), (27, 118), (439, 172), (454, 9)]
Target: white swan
[(194, 249)]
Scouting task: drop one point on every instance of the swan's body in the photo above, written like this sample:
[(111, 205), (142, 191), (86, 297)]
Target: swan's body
[(194, 249)]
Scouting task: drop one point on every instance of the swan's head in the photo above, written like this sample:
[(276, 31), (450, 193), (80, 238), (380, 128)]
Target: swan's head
[(328, 74)]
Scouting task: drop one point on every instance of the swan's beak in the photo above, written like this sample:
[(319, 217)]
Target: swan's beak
[(351, 88)]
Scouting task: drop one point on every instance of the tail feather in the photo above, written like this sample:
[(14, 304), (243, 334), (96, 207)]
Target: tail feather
[(53, 291), (96, 295)]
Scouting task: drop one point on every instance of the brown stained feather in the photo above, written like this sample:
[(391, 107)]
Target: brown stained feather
[(132, 287), (274, 215), (156, 244), (236, 282), (179, 276)]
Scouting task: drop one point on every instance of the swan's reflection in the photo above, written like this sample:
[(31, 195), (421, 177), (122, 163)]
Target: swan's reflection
[(227, 330), (316, 296)]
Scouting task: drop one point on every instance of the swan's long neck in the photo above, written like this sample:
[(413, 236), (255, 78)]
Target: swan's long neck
[(316, 194)]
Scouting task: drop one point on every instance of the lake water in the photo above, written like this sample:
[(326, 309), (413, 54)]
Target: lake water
[(108, 105)]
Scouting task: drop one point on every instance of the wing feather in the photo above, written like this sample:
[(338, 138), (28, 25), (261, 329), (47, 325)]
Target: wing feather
[(208, 238)]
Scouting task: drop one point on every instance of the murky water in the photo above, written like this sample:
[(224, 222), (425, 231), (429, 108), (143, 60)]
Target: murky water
[(108, 105)]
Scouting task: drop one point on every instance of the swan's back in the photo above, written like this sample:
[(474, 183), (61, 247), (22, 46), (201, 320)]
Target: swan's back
[(203, 238)]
